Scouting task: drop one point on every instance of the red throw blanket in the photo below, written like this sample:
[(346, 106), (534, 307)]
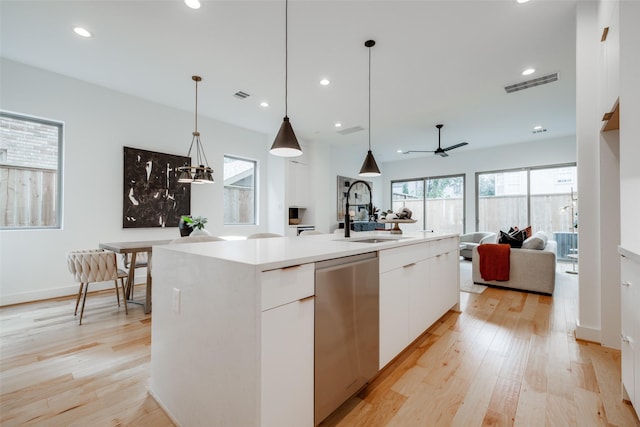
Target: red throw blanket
[(494, 261)]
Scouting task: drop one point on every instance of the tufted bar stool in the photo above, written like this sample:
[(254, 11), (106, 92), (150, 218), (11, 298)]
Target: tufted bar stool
[(95, 265)]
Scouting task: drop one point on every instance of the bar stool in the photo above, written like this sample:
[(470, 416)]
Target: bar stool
[(95, 265)]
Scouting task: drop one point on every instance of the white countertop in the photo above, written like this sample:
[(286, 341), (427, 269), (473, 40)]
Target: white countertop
[(279, 252)]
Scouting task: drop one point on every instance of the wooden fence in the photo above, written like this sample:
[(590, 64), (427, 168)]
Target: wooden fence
[(28, 197), (443, 215), (549, 213)]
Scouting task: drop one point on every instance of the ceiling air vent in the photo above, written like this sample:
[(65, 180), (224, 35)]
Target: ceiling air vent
[(242, 95), (532, 83), (351, 130), (538, 130)]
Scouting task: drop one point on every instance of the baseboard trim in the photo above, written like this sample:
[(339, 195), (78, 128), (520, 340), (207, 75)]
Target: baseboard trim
[(588, 334), (65, 291)]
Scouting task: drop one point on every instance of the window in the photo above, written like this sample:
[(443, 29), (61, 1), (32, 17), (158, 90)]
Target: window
[(30, 172), (445, 204), (543, 197), (437, 203), (502, 200), (239, 191), (410, 195)]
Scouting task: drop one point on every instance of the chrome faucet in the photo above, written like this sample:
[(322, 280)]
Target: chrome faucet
[(347, 217)]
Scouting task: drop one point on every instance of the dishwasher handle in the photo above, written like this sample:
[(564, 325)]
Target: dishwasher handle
[(330, 263)]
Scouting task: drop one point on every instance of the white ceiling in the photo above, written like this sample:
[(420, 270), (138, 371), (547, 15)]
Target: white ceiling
[(434, 62)]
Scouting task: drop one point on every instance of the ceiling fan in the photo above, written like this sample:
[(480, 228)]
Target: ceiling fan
[(442, 152)]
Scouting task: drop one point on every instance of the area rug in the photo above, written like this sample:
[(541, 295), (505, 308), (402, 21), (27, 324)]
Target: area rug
[(466, 282)]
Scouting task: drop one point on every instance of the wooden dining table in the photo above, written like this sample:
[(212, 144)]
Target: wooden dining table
[(133, 248)]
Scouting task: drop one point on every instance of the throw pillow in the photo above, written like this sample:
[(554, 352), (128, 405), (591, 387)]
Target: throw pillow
[(514, 240), (533, 242), (542, 235), (528, 231)]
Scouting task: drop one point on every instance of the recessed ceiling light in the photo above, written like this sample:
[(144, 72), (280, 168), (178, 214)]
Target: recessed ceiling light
[(399, 151), (264, 104), (193, 4), (325, 82), (338, 125), (82, 32), (537, 127), (522, 1), (528, 71)]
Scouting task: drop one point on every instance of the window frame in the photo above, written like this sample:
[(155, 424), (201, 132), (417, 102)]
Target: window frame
[(255, 191), (528, 170), (58, 200)]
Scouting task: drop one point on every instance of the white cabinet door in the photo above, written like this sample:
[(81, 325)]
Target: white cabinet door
[(298, 182), (287, 364), (394, 316), (420, 298), (627, 330), (446, 289)]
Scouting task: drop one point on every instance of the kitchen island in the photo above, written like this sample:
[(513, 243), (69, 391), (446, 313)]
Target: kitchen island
[(233, 324)]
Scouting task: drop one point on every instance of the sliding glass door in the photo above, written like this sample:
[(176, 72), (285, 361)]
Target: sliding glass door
[(409, 194), (445, 204), (502, 200), (554, 206), (544, 198), (436, 203)]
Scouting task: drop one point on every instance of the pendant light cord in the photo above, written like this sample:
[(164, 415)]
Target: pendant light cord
[(286, 57), (369, 98), (196, 106)]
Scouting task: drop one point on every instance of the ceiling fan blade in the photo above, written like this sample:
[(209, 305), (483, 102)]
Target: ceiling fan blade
[(417, 151), (462, 144), (442, 154)]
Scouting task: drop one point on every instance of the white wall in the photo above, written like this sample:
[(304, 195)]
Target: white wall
[(607, 161), (541, 153), (609, 177), (587, 131), (98, 123), (630, 125), (323, 187)]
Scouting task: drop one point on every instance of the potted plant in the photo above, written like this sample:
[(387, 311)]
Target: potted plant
[(189, 224)]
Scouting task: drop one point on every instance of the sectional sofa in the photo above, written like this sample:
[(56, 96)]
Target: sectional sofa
[(529, 269)]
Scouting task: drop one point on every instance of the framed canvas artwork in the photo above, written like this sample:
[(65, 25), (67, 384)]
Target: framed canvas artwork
[(152, 196)]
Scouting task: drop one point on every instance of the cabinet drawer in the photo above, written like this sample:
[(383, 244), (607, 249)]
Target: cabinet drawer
[(286, 285), (391, 259), (442, 246)]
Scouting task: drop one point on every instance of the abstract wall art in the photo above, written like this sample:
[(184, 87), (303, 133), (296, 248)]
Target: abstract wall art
[(152, 196)]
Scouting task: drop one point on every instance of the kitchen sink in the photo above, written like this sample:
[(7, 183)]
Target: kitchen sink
[(381, 239)]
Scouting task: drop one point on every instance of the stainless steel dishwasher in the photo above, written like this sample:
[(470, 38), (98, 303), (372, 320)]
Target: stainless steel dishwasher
[(346, 329)]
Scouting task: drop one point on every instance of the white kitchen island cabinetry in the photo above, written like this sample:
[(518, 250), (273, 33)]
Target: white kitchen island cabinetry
[(232, 339), (287, 346), (418, 284)]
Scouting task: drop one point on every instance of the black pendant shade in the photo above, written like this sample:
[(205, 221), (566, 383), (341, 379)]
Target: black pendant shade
[(369, 166), (286, 143)]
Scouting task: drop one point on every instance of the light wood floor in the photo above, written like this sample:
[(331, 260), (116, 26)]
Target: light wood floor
[(509, 358)]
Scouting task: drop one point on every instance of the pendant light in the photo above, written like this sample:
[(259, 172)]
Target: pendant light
[(369, 167), (286, 143), (200, 174)]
